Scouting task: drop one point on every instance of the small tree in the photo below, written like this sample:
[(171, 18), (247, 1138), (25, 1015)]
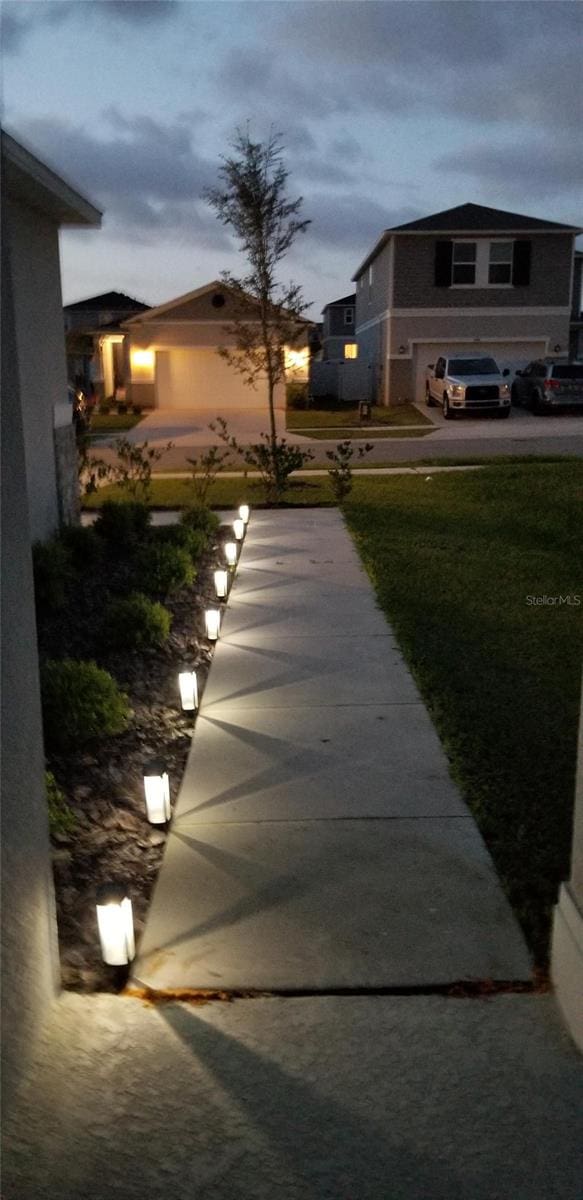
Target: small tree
[(341, 471), (268, 315)]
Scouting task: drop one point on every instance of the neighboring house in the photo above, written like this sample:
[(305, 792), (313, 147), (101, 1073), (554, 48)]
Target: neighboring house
[(576, 326), (36, 433), (36, 203), (470, 278), (174, 362), (97, 354), (338, 336)]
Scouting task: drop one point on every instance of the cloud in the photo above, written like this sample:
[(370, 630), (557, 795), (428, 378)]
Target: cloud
[(351, 223), (19, 21), (536, 168)]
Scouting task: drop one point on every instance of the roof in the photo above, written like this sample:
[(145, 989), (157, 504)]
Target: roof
[(28, 179), (116, 301), (217, 285), (469, 218), (344, 302)]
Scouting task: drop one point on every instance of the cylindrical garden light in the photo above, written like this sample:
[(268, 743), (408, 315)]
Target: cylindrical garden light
[(115, 924), (157, 792), (244, 511), (212, 618), (188, 690), (231, 551), (221, 583), (239, 529)]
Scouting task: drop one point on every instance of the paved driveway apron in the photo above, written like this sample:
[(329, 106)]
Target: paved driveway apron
[(318, 842)]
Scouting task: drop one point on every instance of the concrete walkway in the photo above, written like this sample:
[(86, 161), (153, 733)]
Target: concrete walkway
[(318, 842)]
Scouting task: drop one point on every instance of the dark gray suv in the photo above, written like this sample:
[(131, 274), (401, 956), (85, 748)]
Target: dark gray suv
[(549, 383)]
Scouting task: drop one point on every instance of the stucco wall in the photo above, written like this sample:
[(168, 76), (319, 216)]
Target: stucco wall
[(29, 950), (455, 326), (370, 301), (550, 276), (34, 257)]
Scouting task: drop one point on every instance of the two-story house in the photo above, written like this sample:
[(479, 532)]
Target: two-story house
[(468, 279), (97, 353), (576, 331), (338, 326)]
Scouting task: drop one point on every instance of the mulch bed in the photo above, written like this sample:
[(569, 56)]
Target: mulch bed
[(103, 784)]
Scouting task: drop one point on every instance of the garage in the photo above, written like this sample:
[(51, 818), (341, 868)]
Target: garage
[(510, 354), (200, 379)]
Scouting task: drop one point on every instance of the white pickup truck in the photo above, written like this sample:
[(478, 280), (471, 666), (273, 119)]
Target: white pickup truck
[(467, 383)]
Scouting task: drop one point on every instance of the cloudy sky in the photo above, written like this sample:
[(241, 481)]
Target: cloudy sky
[(388, 111)]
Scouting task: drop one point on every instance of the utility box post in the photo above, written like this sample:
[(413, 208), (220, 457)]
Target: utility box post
[(364, 412)]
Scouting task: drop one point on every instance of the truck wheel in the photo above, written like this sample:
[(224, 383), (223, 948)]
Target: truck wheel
[(446, 410), (428, 400)]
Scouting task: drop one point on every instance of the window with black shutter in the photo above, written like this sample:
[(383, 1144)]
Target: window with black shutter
[(521, 263), (443, 260)]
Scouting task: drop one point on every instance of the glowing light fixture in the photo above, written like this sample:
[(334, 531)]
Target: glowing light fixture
[(188, 690), (142, 358), (244, 513), (239, 529), (115, 923), (212, 618), (221, 583), (231, 553), (157, 792)]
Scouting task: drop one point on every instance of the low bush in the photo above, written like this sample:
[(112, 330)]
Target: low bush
[(199, 517), (80, 702), (298, 395), (159, 569), (194, 541), (123, 523), (82, 544), (52, 570), (136, 623), (61, 816)]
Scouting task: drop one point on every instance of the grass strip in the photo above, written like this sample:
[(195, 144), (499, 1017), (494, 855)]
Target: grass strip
[(347, 417), (455, 563)]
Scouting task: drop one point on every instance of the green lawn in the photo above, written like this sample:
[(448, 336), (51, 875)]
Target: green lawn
[(104, 423), (347, 417), (225, 493), (454, 562)]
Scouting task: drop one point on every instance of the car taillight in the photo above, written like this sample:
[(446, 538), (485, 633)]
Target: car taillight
[(552, 383)]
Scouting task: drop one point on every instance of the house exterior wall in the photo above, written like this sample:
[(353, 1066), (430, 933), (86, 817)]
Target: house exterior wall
[(376, 298), (567, 938), (333, 349), (29, 946), (550, 277), (34, 258)]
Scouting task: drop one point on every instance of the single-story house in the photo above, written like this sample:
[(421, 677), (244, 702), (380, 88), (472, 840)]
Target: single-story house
[(174, 359), (470, 278)]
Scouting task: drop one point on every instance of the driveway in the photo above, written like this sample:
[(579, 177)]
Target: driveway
[(190, 428)]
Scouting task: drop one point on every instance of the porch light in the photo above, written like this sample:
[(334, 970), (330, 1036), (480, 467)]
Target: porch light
[(244, 511), (142, 358), (231, 553), (212, 618), (188, 690), (221, 583), (239, 529), (157, 792), (115, 923)]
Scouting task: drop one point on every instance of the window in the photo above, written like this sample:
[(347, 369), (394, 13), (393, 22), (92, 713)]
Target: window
[(500, 265), (348, 316), (464, 263), (351, 350), (370, 275)]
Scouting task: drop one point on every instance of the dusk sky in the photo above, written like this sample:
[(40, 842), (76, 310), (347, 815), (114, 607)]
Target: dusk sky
[(388, 112)]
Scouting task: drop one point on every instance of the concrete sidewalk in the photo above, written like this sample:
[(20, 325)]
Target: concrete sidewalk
[(318, 842)]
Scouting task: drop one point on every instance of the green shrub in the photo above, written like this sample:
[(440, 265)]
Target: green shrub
[(297, 395), (199, 517), (194, 541), (80, 702), (136, 623), (160, 568), (61, 817), (52, 572), (123, 523), (82, 544)]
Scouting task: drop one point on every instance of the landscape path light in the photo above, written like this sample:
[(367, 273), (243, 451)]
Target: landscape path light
[(188, 685), (115, 923), (244, 513), (157, 792), (239, 529), (212, 619), (221, 583), (231, 553)]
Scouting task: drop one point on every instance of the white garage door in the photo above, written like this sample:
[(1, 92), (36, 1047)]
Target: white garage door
[(511, 355), (200, 379)]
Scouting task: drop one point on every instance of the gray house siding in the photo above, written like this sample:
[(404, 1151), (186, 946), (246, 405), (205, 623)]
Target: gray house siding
[(414, 275)]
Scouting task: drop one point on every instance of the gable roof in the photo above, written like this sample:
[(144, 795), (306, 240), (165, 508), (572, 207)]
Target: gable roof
[(28, 179), (217, 285), (344, 302), (469, 218), (116, 301)]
